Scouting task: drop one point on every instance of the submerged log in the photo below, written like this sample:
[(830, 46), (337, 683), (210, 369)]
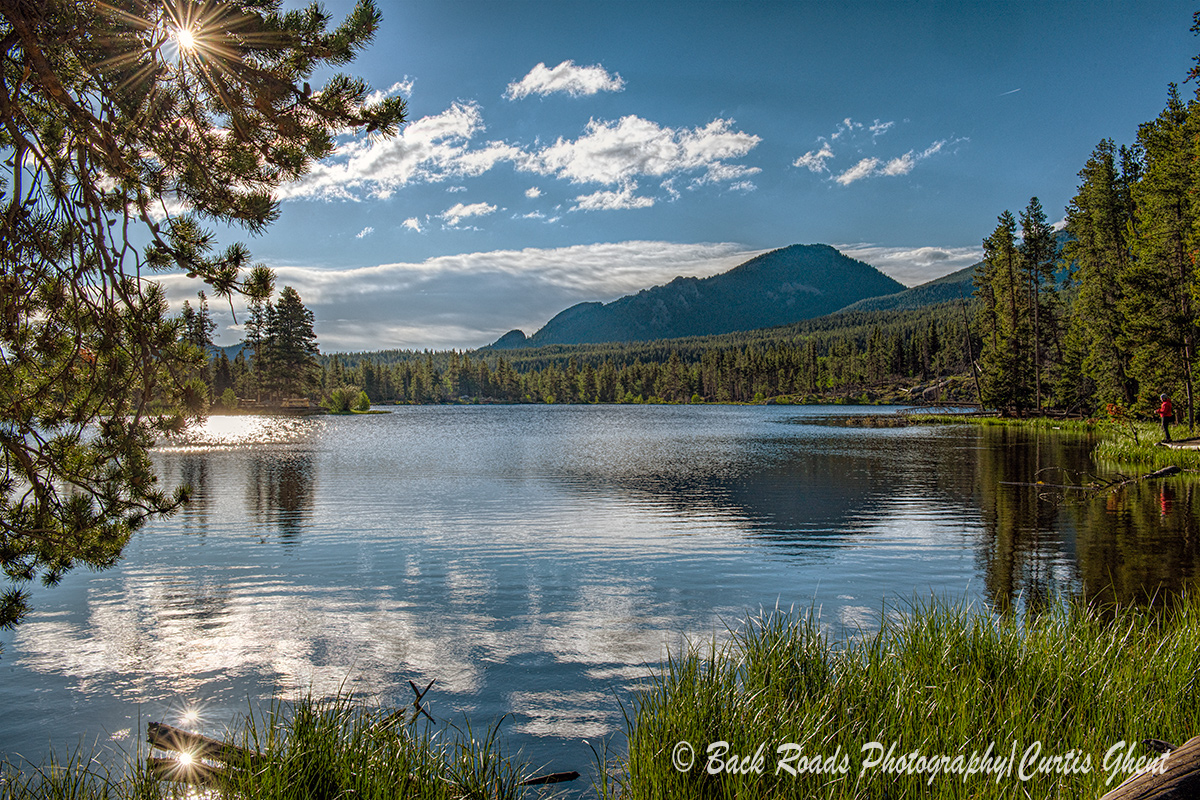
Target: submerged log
[(553, 777), (197, 746), (1179, 781), (193, 772), (1165, 472)]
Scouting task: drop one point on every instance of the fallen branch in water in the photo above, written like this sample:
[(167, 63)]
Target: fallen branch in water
[(1101, 486)]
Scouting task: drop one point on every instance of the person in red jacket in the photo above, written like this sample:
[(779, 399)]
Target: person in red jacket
[(1167, 412)]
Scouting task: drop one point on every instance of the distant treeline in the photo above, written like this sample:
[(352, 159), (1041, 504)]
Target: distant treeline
[(841, 355)]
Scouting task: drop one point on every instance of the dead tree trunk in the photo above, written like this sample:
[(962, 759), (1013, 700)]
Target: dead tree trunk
[(1179, 781)]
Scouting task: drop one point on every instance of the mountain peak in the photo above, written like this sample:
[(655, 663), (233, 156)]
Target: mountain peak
[(779, 287)]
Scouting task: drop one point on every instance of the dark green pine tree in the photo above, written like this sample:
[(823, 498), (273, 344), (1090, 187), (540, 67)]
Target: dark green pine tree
[(198, 325), (289, 347), (258, 288), (1039, 259), (1005, 361), (108, 117), (222, 374), (1099, 221), (1161, 281), (196, 328)]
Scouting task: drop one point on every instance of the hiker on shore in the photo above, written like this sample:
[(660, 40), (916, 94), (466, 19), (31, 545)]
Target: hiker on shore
[(1167, 412)]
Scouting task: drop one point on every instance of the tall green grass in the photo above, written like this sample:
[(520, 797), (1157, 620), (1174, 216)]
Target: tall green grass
[(311, 750), (938, 680)]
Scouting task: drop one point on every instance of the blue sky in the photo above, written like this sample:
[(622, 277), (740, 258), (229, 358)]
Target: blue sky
[(577, 150)]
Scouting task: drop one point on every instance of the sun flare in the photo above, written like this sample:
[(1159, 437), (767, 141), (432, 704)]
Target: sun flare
[(185, 39)]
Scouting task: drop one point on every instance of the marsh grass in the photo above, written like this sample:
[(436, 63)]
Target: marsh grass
[(1123, 447), (310, 750), (1126, 442), (938, 679)]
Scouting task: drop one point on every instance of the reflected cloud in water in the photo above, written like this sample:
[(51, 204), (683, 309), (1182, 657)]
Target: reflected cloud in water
[(537, 561)]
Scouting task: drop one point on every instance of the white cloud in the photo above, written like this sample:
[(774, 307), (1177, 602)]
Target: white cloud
[(814, 160), (847, 126), (533, 192), (413, 224), (432, 149), (743, 186), (403, 87), (615, 152), (900, 165), (914, 265), (936, 148), (566, 77), (469, 300), (862, 169), (458, 212), (455, 189), (605, 200), (364, 233), (439, 148), (868, 166)]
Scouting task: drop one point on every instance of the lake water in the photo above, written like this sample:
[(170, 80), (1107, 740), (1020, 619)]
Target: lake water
[(538, 561)]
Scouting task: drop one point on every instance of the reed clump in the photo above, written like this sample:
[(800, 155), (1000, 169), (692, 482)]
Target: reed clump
[(315, 749), (968, 704)]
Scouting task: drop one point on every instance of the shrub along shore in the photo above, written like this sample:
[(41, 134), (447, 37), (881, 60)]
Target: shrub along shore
[(941, 702)]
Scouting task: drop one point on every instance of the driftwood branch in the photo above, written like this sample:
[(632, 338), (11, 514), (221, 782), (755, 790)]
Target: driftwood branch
[(1179, 781), (168, 737), (1100, 487), (197, 754), (1162, 473), (553, 777), (420, 693)]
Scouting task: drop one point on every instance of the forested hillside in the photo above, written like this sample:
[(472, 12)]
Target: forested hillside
[(844, 356), (776, 288)]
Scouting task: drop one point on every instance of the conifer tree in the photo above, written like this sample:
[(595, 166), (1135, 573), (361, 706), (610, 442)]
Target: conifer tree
[(289, 347), (1004, 361), (112, 120), (1099, 221), (1039, 258), (1161, 281)]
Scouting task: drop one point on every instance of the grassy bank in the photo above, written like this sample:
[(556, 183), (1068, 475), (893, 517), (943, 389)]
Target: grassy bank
[(1120, 443), (313, 750), (1059, 691)]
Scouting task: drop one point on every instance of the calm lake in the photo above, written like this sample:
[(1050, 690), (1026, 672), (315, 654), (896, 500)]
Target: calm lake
[(537, 561)]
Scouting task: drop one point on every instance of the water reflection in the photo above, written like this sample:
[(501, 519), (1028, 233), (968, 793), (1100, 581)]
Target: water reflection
[(536, 561), (1140, 543), (279, 491), (1135, 544)]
